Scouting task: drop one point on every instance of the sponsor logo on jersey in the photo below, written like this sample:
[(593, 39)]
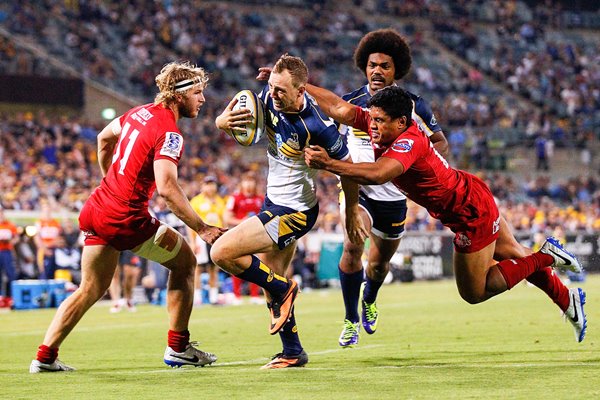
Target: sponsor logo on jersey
[(403, 145), (289, 241), (293, 141), (173, 145), (496, 226), (142, 115), (337, 146), (433, 121), (461, 240)]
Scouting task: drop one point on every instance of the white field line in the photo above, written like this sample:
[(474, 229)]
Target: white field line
[(233, 363)]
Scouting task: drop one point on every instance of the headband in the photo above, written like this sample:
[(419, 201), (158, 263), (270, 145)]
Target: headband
[(184, 85)]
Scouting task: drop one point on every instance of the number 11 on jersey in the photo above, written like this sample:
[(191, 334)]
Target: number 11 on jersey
[(132, 138)]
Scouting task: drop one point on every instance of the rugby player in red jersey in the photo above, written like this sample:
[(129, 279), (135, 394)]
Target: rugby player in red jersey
[(461, 201), (138, 154)]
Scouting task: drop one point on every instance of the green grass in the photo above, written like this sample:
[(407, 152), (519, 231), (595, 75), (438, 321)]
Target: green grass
[(429, 345)]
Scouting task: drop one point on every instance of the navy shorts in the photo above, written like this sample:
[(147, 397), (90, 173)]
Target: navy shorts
[(128, 257), (387, 217), (286, 225)]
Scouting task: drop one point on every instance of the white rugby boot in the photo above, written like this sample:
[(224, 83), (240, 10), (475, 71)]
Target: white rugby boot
[(563, 260), (575, 314), (57, 366), (191, 356)]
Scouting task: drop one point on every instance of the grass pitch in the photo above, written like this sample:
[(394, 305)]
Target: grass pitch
[(429, 345)]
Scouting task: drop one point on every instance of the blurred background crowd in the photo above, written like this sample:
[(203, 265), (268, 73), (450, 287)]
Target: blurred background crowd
[(515, 86)]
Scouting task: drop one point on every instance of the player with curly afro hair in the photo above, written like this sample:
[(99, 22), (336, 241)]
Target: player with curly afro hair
[(384, 57), (388, 42)]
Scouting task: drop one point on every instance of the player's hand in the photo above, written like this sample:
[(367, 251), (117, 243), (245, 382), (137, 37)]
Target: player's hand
[(233, 120), (264, 73), (357, 233), (210, 233), (316, 157)]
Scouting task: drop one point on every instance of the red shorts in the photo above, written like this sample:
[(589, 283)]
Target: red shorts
[(121, 231), (478, 221)]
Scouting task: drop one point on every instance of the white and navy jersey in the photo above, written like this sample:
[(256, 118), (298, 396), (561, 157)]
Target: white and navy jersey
[(291, 182), (360, 147)]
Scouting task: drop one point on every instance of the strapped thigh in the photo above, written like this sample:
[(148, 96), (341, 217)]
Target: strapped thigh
[(163, 246)]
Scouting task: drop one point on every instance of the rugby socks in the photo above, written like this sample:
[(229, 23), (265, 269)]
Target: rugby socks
[(351, 292), (289, 337), (46, 355), (546, 280), (514, 270), (179, 341), (371, 290), (264, 277)]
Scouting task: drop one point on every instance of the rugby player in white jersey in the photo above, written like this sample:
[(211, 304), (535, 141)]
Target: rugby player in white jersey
[(261, 248), (384, 57)]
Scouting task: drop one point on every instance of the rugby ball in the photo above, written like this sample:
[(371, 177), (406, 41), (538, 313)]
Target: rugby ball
[(254, 130)]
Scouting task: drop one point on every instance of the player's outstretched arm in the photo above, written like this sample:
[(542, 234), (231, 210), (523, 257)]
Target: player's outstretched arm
[(107, 140), (368, 173), (167, 186), (440, 143), (333, 105)]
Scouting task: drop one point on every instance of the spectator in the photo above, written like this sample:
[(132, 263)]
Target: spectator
[(8, 238)]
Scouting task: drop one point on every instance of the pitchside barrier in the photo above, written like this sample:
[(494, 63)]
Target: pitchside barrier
[(428, 255), (43, 293)]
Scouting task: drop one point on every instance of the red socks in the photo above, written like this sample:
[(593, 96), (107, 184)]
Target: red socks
[(550, 283), (514, 270), (46, 354), (179, 341)]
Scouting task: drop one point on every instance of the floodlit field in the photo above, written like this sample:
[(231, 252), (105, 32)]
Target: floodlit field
[(430, 345)]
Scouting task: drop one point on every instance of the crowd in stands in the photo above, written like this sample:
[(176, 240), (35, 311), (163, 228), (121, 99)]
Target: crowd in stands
[(558, 71), (521, 47), (124, 44), (60, 164)]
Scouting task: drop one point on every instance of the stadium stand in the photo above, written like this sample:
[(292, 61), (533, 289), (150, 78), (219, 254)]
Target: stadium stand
[(498, 78)]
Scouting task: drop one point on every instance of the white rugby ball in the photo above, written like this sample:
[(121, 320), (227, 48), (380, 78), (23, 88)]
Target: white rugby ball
[(254, 130)]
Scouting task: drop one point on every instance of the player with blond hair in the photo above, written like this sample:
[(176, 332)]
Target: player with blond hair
[(138, 154), (261, 248)]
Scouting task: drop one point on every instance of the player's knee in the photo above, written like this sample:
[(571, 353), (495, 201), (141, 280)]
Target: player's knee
[(91, 293), (190, 260), (353, 251), (219, 254), (379, 268), (472, 298)]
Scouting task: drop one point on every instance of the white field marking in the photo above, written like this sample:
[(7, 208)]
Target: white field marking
[(260, 360), (232, 363)]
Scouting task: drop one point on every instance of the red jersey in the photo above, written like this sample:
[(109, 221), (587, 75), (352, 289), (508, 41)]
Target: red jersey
[(8, 231), (117, 211), (148, 133), (244, 206), (460, 200)]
